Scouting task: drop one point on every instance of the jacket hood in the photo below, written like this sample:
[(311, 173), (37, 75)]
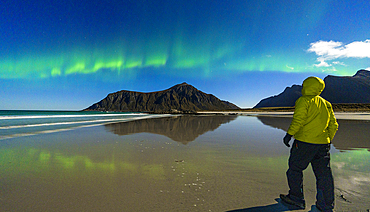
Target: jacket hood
[(312, 86)]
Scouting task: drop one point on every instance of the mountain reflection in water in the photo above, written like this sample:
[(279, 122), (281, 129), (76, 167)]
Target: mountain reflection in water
[(352, 134), (183, 129)]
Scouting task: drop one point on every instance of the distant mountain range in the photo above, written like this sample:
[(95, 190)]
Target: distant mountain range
[(181, 98), (184, 98), (348, 89)]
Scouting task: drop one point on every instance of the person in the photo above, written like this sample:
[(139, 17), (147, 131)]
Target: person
[(313, 127)]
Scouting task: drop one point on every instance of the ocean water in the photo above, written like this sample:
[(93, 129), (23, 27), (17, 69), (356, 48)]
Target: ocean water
[(18, 123)]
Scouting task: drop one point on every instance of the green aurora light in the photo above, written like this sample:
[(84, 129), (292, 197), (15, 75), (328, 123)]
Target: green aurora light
[(180, 59), (198, 40)]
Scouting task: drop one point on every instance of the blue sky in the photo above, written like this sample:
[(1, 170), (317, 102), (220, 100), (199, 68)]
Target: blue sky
[(67, 55)]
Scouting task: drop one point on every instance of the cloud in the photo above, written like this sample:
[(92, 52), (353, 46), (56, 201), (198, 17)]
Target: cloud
[(322, 63), (331, 50), (291, 68), (339, 63)]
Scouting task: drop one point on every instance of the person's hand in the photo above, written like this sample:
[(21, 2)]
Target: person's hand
[(286, 139)]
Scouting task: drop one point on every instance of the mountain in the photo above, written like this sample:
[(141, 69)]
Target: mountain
[(181, 98), (285, 99), (347, 89), (354, 89)]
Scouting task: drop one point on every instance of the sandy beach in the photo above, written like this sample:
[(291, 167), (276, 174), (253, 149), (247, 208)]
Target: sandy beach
[(179, 163)]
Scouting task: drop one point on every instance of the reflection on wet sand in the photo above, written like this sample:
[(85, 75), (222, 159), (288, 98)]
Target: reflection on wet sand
[(183, 129), (352, 134), (240, 165)]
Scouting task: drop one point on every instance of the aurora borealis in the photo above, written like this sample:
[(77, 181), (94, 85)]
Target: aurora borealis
[(70, 54)]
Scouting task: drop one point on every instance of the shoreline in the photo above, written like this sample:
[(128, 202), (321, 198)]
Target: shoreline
[(338, 115)]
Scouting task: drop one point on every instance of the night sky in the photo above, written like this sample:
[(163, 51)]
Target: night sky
[(67, 55)]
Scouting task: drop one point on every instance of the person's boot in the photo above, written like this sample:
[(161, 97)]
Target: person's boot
[(322, 210), (286, 199)]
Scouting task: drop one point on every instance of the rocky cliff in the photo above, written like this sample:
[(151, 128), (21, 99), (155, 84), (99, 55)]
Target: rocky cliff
[(348, 89), (179, 98)]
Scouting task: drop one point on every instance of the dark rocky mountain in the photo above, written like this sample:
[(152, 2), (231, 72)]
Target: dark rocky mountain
[(183, 129), (348, 89), (354, 89), (179, 98), (285, 99)]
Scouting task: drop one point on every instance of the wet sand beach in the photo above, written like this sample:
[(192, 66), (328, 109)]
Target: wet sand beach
[(179, 163)]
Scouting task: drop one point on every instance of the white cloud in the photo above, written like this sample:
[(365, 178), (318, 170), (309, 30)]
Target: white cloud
[(322, 63), (339, 63), (330, 50), (329, 69), (291, 68)]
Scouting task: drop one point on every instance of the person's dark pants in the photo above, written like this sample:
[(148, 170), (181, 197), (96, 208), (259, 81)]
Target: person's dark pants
[(301, 154)]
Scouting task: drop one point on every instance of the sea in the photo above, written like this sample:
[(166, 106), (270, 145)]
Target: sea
[(18, 123)]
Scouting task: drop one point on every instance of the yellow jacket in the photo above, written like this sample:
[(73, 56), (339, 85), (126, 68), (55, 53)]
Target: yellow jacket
[(313, 120)]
